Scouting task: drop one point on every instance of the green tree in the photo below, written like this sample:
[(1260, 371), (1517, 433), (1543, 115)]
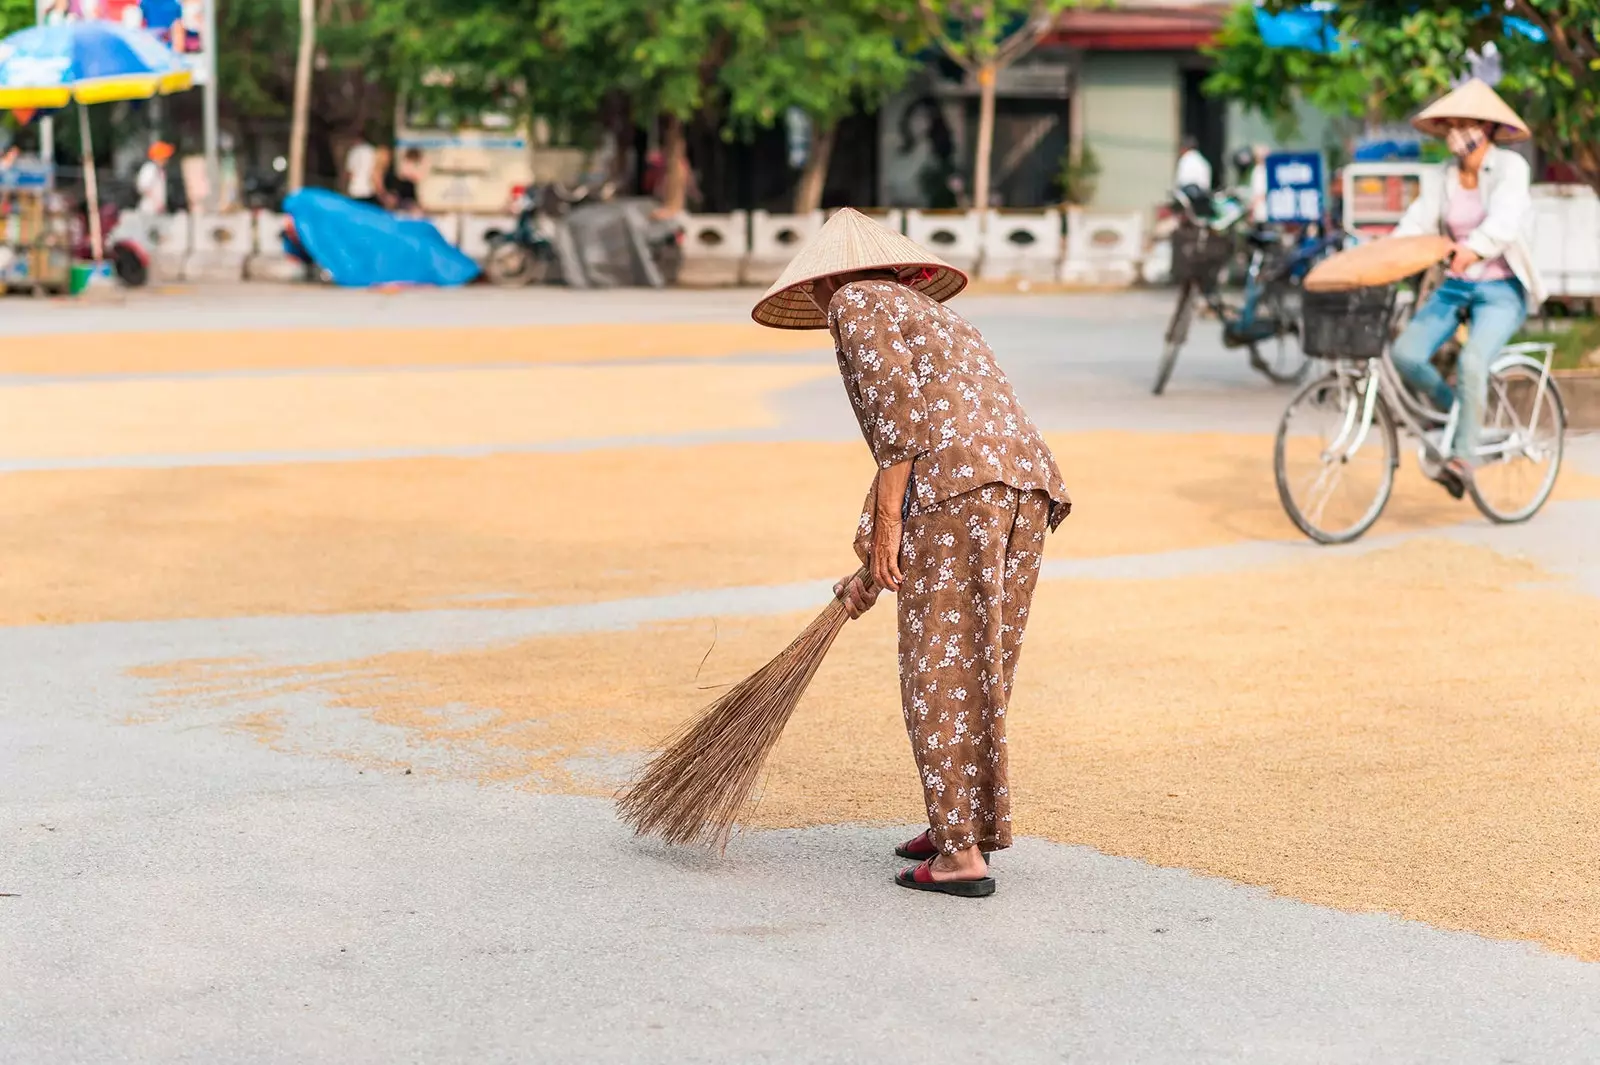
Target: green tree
[(470, 55), (352, 86), (1399, 54), (984, 38), (828, 58), (16, 15), (664, 55)]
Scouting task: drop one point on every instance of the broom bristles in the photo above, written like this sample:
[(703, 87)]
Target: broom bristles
[(694, 791)]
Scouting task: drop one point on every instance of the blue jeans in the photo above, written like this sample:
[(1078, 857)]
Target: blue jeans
[(1498, 309)]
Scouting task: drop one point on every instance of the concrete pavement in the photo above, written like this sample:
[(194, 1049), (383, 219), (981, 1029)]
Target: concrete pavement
[(211, 869)]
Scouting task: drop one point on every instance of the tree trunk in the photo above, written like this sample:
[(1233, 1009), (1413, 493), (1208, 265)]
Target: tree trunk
[(985, 146), (622, 164), (814, 178), (302, 95), (675, 167)]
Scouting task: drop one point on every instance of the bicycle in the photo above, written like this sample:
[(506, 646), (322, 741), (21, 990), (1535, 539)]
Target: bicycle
[(1268, 313), (1334, 486)]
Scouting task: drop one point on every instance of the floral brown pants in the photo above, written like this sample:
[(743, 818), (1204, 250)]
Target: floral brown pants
[(969, 565)]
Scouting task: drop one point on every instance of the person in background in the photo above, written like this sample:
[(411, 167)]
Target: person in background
[(151, 182), (383, 176), (1194, 171), (190, 27), (1257, 165), (408, 177), (7, 161), (164, 19), (360, 172), (1484, 203)]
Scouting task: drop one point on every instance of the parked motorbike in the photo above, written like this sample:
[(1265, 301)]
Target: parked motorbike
[(123, 249), (264, 188), (523, 256), (666, 248), (526, 255)]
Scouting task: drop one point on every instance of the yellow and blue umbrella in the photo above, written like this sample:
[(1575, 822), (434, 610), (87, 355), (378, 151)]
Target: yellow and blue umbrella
[(86, 63)]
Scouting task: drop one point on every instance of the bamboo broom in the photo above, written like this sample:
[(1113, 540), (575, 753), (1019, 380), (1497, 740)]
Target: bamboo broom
[(695, 790)]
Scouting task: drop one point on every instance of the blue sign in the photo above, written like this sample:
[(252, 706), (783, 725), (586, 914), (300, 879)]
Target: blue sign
[(1294, 187), (25, 174)]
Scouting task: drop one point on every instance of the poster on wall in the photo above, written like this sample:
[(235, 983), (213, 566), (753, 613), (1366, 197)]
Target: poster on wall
[(178, 24), (919, 158)]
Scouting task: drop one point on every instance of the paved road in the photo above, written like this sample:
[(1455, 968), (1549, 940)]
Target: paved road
[(176, 891)]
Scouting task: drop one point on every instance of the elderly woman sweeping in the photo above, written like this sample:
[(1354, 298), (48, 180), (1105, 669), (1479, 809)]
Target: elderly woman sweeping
[(954, 523), (1482, 202)]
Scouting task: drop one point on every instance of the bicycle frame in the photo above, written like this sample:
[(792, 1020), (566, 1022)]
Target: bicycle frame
[(1380, 378)]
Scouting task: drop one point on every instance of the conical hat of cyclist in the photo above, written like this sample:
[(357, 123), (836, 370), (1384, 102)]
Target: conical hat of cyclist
[(1477, 101), (1383, 262), (847, 243)]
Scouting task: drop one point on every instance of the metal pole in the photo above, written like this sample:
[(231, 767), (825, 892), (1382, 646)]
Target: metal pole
[(47, 141), (299, 116), (209, 108), (47, 136), (90, 188)]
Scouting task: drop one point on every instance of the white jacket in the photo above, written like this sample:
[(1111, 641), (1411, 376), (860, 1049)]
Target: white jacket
[(1504, 182)]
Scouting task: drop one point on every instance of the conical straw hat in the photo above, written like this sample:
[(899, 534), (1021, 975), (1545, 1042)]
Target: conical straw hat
[(1473, 100), (850, 241)]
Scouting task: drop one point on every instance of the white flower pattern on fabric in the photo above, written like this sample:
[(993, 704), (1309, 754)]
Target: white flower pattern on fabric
[(924, 386), (974, 558)]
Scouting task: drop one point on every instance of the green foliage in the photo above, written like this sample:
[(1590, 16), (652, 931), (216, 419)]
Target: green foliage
[(1391, 72), (826, 57), (255, 66), (1577, 341), (1407, 52), (750, 59), (988, 32), (1079, 176), (465, 55), (666, 51), (16, 15)]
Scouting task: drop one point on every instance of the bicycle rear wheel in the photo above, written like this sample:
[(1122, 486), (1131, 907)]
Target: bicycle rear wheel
[(1524, 409), (1334, 473), (1281, 357), (1177, 333)]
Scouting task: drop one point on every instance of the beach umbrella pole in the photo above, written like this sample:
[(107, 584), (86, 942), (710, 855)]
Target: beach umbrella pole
[(90, 188)]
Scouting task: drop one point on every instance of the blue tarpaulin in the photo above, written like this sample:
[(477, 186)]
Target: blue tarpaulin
[(360, 245), (1312, 27), (1309, 27)]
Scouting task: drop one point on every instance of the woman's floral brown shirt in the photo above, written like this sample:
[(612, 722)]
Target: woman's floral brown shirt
[(924, 385)]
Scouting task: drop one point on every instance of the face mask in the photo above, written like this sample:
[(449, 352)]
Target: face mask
[(1463, 142)]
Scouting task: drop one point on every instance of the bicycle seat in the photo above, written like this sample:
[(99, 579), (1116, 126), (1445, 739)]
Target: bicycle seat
[(1263, 238)]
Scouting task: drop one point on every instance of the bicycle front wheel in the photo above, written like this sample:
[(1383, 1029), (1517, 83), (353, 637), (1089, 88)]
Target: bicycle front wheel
[(1521, 444), (1177, 333), (1334, 467)]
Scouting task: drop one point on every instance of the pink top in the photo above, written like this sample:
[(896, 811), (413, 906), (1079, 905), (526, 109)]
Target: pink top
[(1463, 214)]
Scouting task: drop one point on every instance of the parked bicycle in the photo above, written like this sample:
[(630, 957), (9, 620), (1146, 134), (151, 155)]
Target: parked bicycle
[(1266, 320), (1338, 444)]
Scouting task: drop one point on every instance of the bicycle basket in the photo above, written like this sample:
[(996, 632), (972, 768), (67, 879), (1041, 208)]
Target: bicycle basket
[(1199, 254), (1346, 325)]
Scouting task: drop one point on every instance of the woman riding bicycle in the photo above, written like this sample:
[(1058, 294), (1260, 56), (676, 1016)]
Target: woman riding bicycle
[(1482, 204)]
